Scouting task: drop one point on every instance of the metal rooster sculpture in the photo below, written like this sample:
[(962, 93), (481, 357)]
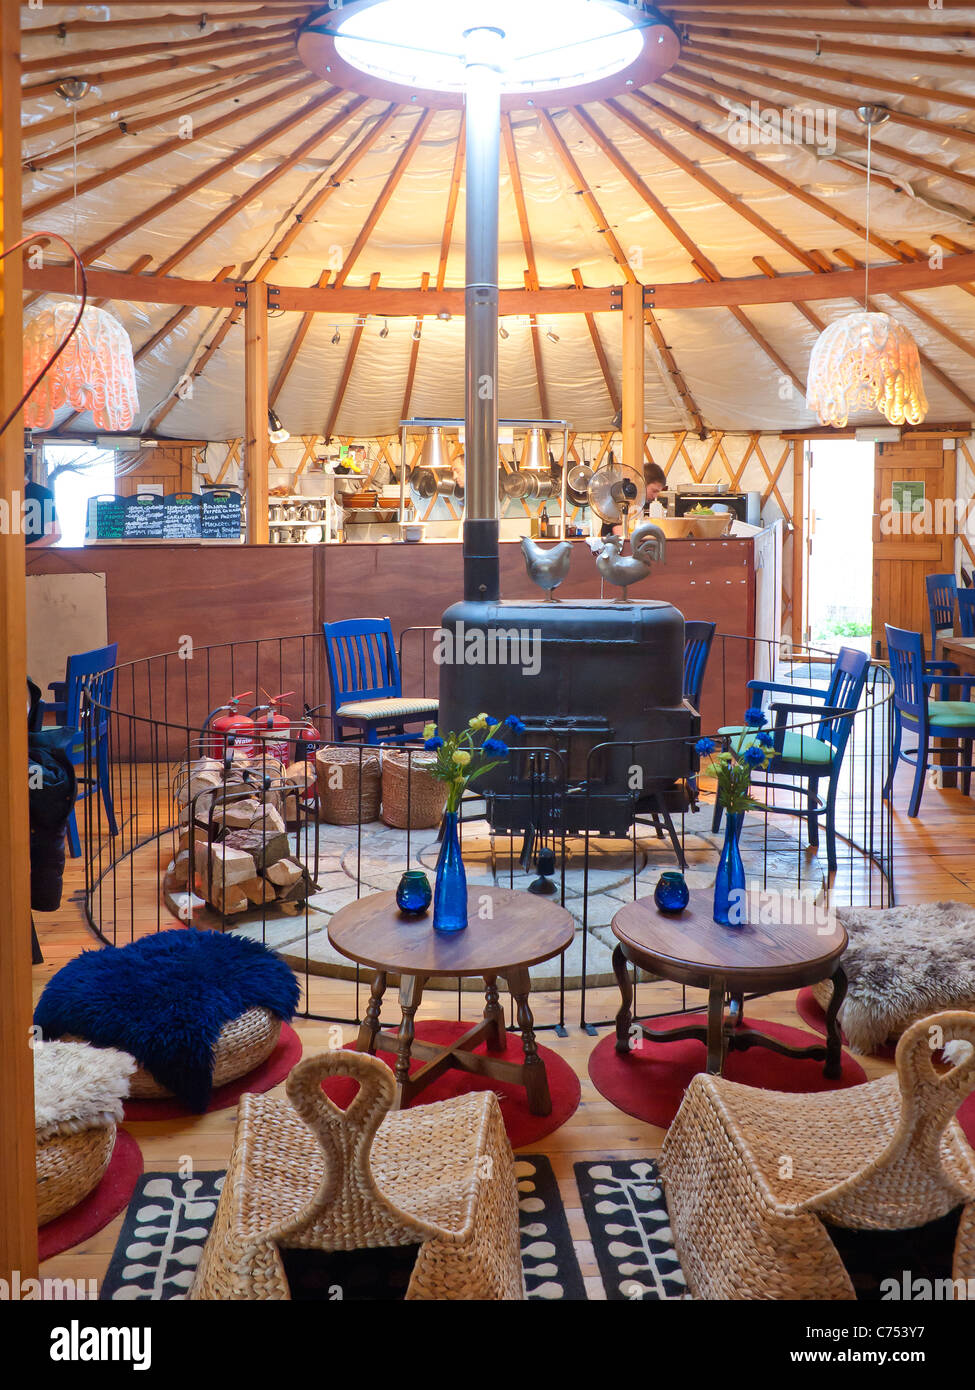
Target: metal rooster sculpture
[(648, 544), (546, 568)]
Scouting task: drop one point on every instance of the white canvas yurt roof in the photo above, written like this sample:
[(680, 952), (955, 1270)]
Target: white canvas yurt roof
[(205, 148)]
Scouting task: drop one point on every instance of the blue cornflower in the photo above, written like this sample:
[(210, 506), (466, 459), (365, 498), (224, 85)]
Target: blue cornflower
[(766, 739), (495, 747), (754, 756), (432, 744), (755, 718), (705, 746), (513, 722)]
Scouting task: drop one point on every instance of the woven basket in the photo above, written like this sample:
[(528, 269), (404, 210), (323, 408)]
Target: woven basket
[(243, 1044), (69, 1166), (353, 796), (412, 797)]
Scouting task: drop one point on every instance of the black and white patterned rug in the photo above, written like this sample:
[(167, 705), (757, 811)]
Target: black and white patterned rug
[(169, 1219), (625, 1210)]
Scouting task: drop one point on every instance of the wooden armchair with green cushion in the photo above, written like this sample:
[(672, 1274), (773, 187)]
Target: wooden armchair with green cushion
[(916, 711), (805, 752)]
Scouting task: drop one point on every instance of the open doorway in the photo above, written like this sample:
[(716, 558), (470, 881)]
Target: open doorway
[(76, 472), (839, 584)]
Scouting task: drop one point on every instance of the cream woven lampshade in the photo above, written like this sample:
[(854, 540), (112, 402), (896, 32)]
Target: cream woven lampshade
[(95, 372), (866, 361)]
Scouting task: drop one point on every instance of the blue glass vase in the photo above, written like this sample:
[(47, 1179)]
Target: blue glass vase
[(729, 883), (450, 892), (671, 893), (414, 894)]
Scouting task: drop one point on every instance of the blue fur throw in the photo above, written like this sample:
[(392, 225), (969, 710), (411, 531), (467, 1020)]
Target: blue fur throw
[(164, 1000)]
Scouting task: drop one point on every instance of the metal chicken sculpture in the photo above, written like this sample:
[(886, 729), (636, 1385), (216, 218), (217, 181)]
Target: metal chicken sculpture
[(546, 568), (648, 544)]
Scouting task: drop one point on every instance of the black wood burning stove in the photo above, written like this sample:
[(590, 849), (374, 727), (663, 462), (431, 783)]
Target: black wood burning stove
[(581, 675)]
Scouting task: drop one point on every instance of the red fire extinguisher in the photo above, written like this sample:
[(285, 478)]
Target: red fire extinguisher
[(232, 729), (307, 738), (273, 729)]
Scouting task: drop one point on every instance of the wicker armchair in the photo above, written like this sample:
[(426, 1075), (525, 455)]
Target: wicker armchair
[(751, 1176), (316, 1177)]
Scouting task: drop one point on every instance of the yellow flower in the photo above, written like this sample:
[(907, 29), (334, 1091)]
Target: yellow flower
[(461, 758), (429, 730), (478, 722)]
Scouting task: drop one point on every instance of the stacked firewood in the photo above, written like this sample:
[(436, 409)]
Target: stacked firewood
[(233, 824)]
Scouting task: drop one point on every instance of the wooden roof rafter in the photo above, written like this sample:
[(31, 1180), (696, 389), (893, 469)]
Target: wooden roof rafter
[(143, 157), (452, 199), (828, 48), (619, 255), (852, 137), (414, 354), (531, 268), (65, 28), (898, 116), (840, 76), (200, 48), (701, 263), (299, 220), (147, 70), (759, 18), (346, 376), (138, 125), (612, 390), (295, 346)]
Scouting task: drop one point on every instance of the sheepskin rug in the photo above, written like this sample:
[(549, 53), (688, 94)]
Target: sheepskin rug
[(903, 963), (78, 1087)]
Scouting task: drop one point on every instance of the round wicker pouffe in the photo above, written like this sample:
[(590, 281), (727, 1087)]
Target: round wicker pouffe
[(78, 1096), (244, 1043), (69, 1166)]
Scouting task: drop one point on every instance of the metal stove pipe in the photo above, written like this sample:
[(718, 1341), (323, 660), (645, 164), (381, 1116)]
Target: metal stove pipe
[(482, 581)]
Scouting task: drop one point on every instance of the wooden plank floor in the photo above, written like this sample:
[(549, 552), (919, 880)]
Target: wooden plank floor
[(934, 859)]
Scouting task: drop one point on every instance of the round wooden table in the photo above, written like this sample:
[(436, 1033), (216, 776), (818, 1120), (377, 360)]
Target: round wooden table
[(690, 948), (506, 933)]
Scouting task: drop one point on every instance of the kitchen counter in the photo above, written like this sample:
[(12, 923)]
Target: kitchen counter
[(159, 594)]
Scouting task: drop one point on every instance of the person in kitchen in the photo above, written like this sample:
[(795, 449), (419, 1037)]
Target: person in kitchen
[(655, 480)]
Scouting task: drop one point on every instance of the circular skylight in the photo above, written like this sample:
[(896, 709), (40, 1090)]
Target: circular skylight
[(538, 45)]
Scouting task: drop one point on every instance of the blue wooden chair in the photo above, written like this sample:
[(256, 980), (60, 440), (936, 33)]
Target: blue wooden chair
[(697, 648), (366, 688), (916, 711), (942, 593), (94, 670), (802, 754), (698, 637), (966, 612)]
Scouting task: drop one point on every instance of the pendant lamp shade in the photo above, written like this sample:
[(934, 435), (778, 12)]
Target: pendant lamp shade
[(866, 361), (95, 372)]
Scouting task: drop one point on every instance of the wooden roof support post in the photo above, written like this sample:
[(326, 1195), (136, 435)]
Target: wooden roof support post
[(633, 377), (18, 1179), (256, 445)]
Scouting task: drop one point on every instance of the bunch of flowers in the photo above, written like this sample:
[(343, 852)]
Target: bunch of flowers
[(733, 766), (465, 756)]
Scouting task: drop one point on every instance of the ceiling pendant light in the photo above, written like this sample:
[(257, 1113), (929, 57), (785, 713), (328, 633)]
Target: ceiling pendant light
[(95, 372), (866, 360)]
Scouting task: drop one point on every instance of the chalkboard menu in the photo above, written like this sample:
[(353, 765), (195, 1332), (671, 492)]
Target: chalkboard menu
[(215, 516), (221, 516), (106, 518), (182, 517), (144, 517)]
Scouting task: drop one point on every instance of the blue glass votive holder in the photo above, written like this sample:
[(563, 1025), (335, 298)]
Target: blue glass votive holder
[(414, 894), (671, 893)]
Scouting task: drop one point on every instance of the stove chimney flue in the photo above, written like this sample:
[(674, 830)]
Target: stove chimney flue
[(482, 582)]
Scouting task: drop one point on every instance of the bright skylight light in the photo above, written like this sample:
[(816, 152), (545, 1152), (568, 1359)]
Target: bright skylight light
[(547, 43)]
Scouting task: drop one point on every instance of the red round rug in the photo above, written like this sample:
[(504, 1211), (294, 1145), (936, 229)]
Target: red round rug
[(650, 1082), (110, 1197), (523, 1127), (812, 1012), (262, 1078)]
